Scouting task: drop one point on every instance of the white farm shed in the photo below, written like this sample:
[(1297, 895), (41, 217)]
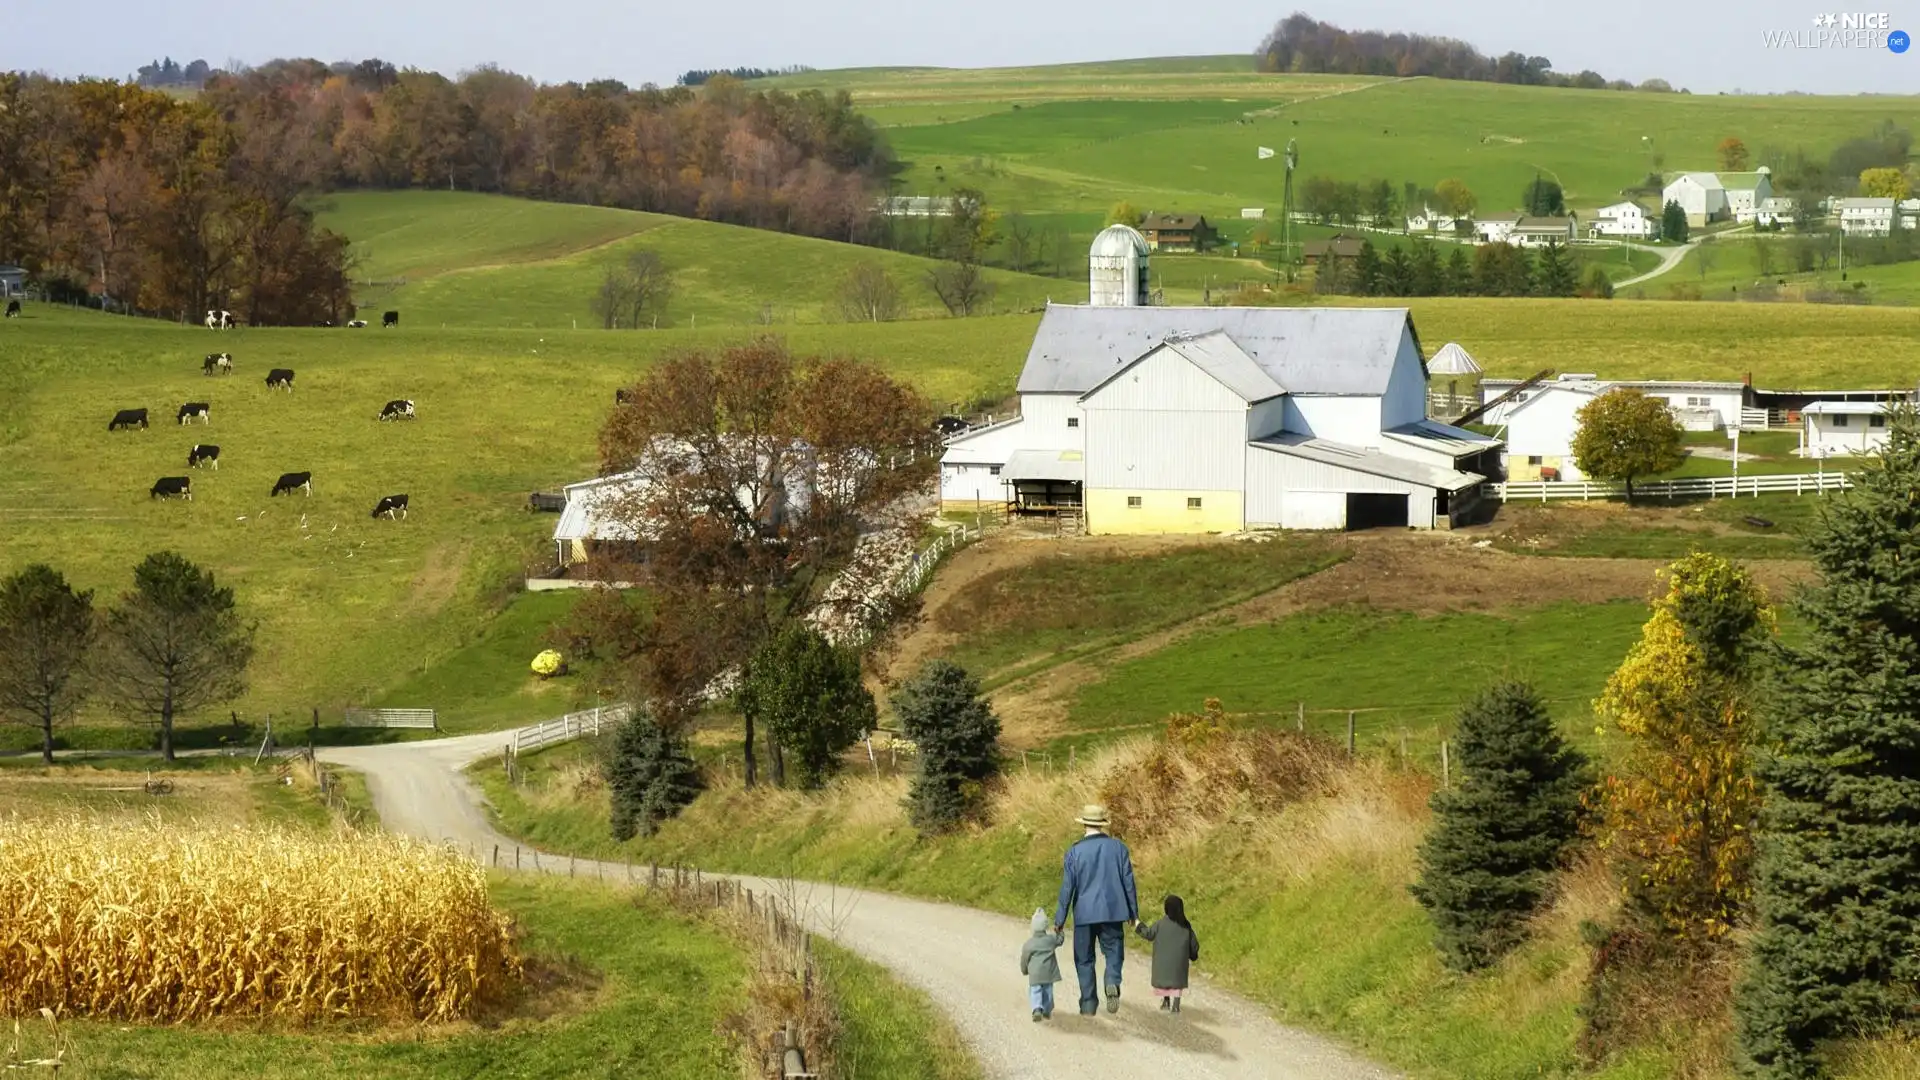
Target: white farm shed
[(1844, 427), (1542, 421), (1699, 406)]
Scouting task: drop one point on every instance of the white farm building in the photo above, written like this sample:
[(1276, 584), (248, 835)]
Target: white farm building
[(1541, 421), (1180, 419)]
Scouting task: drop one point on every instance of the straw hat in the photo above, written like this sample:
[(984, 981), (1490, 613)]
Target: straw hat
[(1093, 815)]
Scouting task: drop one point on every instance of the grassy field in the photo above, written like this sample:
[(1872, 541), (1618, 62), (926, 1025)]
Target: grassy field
[(1732, 271), (228, 790), (468, 260)]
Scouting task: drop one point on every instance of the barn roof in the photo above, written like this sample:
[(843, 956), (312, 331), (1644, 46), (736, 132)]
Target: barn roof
[(1216, 354), (1305, 350), (1365, 460), (1045, 465)]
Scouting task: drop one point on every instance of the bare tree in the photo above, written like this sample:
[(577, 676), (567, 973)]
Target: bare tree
[(962, 286), (173, 645), (869, 294), (1018, 234), (46, 630), (633, 291), (1763, 256), (1707, 255)]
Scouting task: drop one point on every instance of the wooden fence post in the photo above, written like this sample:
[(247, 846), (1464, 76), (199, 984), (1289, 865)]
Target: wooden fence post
[(1300, 716), (1349, 732)]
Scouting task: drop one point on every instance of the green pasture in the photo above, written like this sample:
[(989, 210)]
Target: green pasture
[(541, 268), (1729, 269)]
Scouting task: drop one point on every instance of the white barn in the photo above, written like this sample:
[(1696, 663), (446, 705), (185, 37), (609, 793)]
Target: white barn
[(1700, 194), (1747, 193), (1843, 427)]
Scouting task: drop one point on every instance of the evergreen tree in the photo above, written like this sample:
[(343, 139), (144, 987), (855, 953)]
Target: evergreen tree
[(1543, 198), (1500, 833), (1673, 223), (1596, 285), (809, 696), (1501, 269), (1427, 276), (1396, 273), (1365, 280), (1553, 272), (650, 777), (1838, 877), (958, 737), (1458, 279)]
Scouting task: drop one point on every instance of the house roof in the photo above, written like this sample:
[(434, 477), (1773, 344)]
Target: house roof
[(960, 448), (1651, 385), (1621, 205), (1216, 354), (1344, 247), (584, 517), (1305, 350), (1743, 181), (1173, 221), (1452, 360), (1544, 224), (1442, 438), (1844, 408), (1863, 204), (1503, 218), (1045, 465), (1364, 460)]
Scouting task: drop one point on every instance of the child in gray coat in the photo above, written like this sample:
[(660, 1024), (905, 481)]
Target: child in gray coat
[(1040, 966), (1175, 946)]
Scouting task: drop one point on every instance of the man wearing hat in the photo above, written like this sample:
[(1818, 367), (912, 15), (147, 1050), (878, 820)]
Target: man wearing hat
[(1096, 887)]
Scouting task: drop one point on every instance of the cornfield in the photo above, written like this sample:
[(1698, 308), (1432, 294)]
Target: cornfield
[(157, 922)]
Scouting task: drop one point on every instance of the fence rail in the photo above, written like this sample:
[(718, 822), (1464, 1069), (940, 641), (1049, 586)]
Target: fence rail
[(1709, 486), (571, 726), (393, 718)]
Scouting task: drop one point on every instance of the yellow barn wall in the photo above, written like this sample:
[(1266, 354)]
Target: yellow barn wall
[(1163, 512)]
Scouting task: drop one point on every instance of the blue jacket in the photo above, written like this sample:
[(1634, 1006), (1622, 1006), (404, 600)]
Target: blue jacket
[(1096, 883)]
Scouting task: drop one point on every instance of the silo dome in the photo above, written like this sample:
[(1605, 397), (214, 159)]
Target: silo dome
[(1117, 268)]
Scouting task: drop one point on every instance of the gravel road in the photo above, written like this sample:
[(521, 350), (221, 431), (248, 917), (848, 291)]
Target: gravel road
[(964, 959)]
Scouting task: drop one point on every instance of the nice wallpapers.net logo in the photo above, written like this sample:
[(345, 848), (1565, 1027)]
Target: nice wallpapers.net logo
[(1843, 30)]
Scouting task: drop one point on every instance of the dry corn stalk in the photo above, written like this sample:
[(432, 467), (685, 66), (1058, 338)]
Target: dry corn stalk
[(186, 922)]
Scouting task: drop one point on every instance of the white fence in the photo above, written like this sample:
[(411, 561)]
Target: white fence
[(925, 562), (392, 718), (571, 726), (1712, 487)]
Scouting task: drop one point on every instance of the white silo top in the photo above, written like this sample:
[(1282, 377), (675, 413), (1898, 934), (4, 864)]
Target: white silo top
[(1117, 242), (1452, 360)]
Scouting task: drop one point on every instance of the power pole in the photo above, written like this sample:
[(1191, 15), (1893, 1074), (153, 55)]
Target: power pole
[(1286, 211)]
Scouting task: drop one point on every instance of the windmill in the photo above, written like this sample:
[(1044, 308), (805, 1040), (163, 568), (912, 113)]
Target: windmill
[(1286, 210)]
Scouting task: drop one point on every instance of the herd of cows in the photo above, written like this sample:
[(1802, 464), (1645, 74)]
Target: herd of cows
[(204, 455)]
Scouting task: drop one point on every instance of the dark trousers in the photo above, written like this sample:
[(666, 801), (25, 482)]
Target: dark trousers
[(1113, 942)]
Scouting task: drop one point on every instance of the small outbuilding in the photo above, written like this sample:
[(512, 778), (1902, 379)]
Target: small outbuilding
[(13, 282), (1844, 427)]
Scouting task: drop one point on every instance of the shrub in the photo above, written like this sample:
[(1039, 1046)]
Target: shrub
[(168, 923), (809, 696), (1498, 835), (650, 777), (958, 737)]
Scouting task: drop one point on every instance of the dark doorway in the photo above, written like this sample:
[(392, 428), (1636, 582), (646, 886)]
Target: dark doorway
[(1376, 511)]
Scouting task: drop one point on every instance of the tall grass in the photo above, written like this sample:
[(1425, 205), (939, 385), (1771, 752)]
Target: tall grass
[(167, 923)]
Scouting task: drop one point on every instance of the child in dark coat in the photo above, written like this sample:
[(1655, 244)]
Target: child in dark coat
[(1175, 946)]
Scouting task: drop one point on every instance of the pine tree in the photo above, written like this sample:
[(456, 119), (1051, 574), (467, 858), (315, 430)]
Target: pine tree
[(1396, 273), (1366, 271), (650, 777), (1838, 881), (1427, 274), (1458, 279), (1498, 835), (1673, 223), (1553, 272), (958, 738)]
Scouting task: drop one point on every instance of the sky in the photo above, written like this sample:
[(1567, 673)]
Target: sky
[(1705, 47)]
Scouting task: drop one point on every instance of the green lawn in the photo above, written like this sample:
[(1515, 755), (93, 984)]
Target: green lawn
[(471, 260), (1018, 620), (1721, 526)]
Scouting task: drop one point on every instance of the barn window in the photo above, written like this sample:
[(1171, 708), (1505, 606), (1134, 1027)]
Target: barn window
[(1133, 502), (994, 469), (1534, 459), (1877, 421), (1073, 421), (1840, 420), (1193, 502)]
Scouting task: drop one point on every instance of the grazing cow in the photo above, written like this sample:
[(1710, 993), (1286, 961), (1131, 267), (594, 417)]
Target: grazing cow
[(219, 320), (621, 397), (949, 426), (289, 481), (217, 362), (13, 309), (356, 323), (126, 418), (281, 378), (391, 318), (203, 452), (391, 505), (397, 409), (169, 486), (195, 410)]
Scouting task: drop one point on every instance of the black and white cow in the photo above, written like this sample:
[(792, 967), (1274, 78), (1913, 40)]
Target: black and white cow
[(126, 418), (168, 486), (289, 481), (13, 309), (280, 378), (206, 453), (949, 426), (217, 362), (391, 318), (195, 410), (219, 320), (397, 409), (391, 505), (357, 323)]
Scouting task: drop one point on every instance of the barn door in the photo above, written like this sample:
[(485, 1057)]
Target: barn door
[(1376, 511)]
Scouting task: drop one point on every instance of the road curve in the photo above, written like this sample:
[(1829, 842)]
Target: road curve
[(964, 959)]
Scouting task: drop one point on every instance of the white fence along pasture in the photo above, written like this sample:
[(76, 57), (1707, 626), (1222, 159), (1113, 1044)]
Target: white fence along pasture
[(1712, 487), (571, 726), (393, 718)]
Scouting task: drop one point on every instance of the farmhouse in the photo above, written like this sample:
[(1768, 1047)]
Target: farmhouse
[(601, 520), (1164, 419), (1337, 246), (1427, 219), (1865, 217), (1701, 195), (1541, 421), (1624, 219), (1844, 427), (1909, 213), (1541, 231), (1747, 193), (1178, 232), (1777, 210), (1496, 228)]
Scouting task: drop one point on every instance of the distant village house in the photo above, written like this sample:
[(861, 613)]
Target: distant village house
[(1178, 232), (1865, 217), (1337, 246), (1628, 220), (1709, 197)]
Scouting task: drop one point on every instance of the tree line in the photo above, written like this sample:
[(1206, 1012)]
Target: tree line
[(804, 163), (138, 200), (700, 76), (1496, 269), (169, 72), (1755, 811), (1301, 43)]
